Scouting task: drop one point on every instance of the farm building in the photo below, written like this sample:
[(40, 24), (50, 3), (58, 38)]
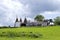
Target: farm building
[(19, 23)]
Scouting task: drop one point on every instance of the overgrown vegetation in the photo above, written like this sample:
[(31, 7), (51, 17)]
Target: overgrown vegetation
[(20, 34), (57, 20)]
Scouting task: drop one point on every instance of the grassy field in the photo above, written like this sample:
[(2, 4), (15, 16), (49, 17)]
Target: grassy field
[(27, 33)]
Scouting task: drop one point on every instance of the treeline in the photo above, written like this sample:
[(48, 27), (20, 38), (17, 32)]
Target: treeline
[(41, 18)]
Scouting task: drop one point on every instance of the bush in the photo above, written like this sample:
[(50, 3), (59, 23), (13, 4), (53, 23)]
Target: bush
[(57, 20)]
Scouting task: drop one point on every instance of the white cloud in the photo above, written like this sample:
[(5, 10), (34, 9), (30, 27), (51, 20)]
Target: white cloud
[(11, 4), (1, 25), (11, 9), (50, 14)]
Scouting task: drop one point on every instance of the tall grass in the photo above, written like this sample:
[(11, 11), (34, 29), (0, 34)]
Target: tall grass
[(30, 33)]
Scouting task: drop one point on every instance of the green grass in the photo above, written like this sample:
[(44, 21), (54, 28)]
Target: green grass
[(48, 33)]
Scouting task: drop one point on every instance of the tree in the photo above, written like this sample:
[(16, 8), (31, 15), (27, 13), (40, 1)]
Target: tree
[(39, 18), (57, 20)]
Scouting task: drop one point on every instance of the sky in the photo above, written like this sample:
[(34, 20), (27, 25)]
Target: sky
[(10, 9)]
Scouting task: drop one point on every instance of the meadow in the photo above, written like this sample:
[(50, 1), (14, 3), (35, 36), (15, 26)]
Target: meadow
[(30, 33)]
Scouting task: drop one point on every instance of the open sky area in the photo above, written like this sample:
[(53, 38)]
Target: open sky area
[(9, 9)]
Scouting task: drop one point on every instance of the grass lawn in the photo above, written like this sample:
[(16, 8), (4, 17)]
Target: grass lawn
[(47, 33)]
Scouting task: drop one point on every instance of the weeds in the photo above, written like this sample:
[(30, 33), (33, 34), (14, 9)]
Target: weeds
[(20, 34)]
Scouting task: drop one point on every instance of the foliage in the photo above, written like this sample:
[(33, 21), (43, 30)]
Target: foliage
[(57, 20), (39, 18)]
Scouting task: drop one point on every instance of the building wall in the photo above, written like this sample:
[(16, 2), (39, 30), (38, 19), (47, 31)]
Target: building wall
[(17, 24)]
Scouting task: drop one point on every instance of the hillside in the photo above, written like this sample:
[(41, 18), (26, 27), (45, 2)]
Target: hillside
[(27, 33)]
